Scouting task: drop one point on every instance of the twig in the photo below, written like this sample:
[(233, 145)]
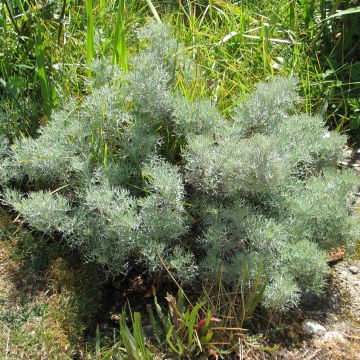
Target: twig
[(352, 337), (241, 350), (173, 279), (229, 328), (7, 345), (60, 188), (313, 355), (17, 218)]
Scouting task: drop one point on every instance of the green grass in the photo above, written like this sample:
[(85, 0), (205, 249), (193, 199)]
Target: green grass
[(89, 35), (235, 44)]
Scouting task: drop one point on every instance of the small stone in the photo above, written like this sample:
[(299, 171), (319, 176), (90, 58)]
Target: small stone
[(333, 336), (357, 283), (313, 328), (353, 269)]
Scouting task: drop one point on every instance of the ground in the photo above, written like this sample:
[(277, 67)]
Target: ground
[(50, 305), (46, 302)]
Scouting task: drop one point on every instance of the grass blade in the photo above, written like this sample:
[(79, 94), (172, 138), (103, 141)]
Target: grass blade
[(41, 74), (89, 35), (11, 16), (102, 10), (119, 39), (139, 336), (308, 8), (128, 339), (153, 10), (353, 10), (192, 319), (154, 326)]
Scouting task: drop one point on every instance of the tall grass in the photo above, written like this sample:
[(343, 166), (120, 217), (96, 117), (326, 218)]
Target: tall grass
[(153, 10), (90, 51), (235, 45), (46, 90)]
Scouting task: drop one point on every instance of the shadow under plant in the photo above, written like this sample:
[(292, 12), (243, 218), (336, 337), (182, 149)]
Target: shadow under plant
[(48, 299)]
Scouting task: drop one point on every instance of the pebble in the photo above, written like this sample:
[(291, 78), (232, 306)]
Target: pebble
[(313, 328), (353, 269), (333, 336)]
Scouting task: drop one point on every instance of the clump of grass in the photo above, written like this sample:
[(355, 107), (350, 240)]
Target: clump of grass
[(237, 45), (234, 45)]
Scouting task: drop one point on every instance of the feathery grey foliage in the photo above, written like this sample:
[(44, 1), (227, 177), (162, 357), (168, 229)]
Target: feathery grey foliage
[(129, 174), (267, 107)]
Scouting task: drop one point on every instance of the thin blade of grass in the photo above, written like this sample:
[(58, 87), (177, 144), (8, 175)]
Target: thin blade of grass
[(127, 338), (120, 56), (11, 16), (41, 74), (153, 10), (139, 336), (154, 326), (89, 35), (102, 10), (192, 319), (353, 10)]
